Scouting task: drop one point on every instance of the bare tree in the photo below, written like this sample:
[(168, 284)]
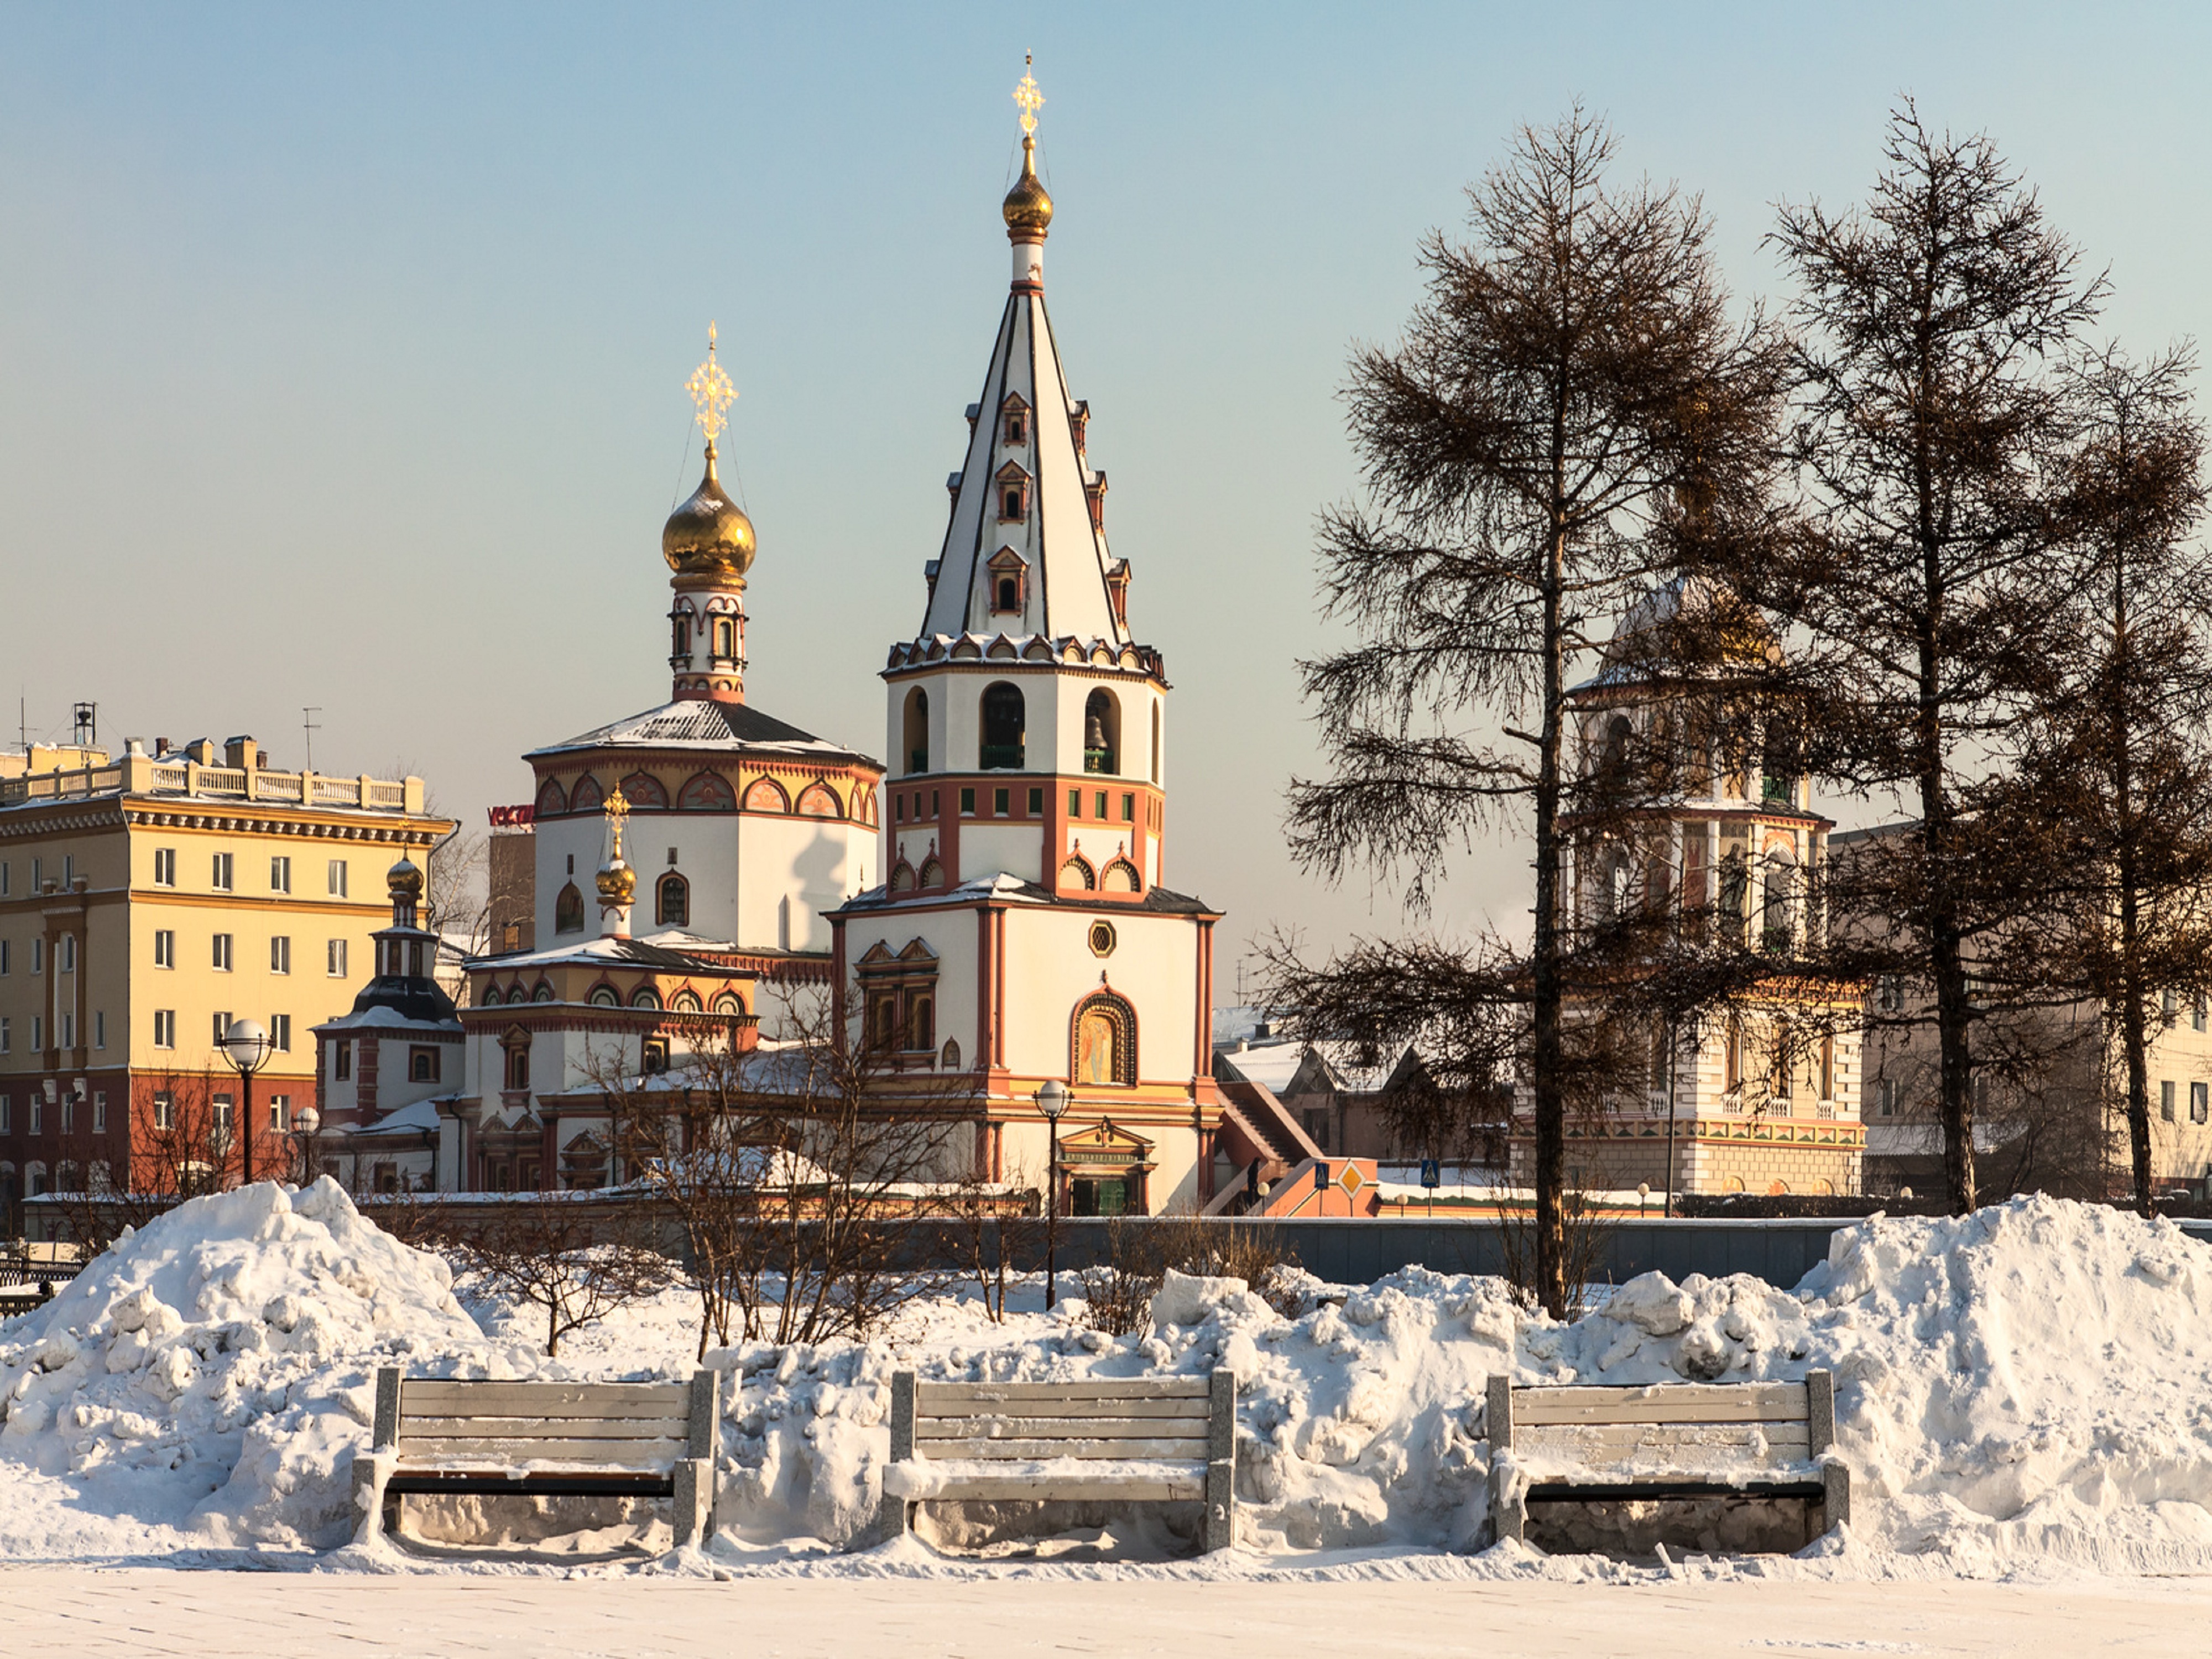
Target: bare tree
[(1568, 375), (181, 1143), (572, 1259), (1936, 571)]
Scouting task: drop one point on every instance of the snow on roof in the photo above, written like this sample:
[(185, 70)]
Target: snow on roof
[(1270, 1065), (411, 1119), (705, 723), (382, 1018), (672, 952)]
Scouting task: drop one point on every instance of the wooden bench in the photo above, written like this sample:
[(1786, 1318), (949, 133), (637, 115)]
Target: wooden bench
[(1149, 1439), (1587, 1444), (434, 1436)]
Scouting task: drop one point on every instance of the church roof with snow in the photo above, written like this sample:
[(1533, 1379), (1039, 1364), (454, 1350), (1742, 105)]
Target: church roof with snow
[(707, 724)]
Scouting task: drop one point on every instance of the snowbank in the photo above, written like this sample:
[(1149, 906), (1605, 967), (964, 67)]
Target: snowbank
[(2028, 1385)]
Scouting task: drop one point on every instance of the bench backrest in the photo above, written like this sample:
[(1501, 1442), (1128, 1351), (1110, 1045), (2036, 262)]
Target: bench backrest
[(1174, 1418), (1691, 1425), (613, 1426)]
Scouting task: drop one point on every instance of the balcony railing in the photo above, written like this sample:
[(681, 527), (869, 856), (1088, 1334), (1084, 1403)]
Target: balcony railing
[(1098, 760), (141, 775), (918, 760), (1001, 757)]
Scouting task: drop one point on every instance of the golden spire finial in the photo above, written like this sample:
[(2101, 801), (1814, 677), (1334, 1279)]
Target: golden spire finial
[(711, 392), (618, 810), (1027, 97)]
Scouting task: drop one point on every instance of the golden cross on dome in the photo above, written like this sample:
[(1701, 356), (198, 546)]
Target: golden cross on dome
[(711, 392), (618, 810), (1027, 96)]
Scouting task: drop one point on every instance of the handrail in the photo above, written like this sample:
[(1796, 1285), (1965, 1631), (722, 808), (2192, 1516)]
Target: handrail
[(141, 775)]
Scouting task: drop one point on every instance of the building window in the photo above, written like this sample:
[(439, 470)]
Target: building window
[(69, 1029), (1075, 803), (1105, 1040), (165, 866), (221, 879), (1102, 938), (654, 1060), (165, 948), (37, 1124), (335, 957), (280, 1114), (1004, 720), (38, 955), (222, 953), (2165, 1101), (7, 879), (221, 1025), (1098, 804), (342, 1060), (7, 965), (7, 1035), (100, 1111), (680, 644), (226, 1118), (2200, 1101), (1101, 732), (1128, 809), (98, 1029), (7, 1109), (69, 953), (165, 1109), (280, 954), (338, 877), (422, 1065), (967, 803), (165, 1028), (280, 1033), (569, 910), (38, 1032), (1007, 591), (1036, 803), (279, 875), (672, 900), (2197, 1016), (518, 1065), (1002, 805)]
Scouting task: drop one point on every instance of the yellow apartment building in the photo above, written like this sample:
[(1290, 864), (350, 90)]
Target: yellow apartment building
[(145, 902)]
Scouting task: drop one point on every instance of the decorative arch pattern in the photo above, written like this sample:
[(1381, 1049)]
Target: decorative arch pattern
[(766, 795), (605, 996), (672, 902), (685, 1002), (1103, 1040), (728, 1004), (819, 800), (706, 792), (645, 997), (1121, 877), (569, 910), (1078, 873), (552, 799), (587, 796), (932, 872), (645, 792), (902, 876)]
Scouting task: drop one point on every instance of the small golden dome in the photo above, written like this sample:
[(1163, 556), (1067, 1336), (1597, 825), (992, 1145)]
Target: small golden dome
[(617, 883), (1028, 209), (402, 880), (709, 535)]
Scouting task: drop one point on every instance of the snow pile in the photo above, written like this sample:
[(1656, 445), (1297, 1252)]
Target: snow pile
[(213, 1374)]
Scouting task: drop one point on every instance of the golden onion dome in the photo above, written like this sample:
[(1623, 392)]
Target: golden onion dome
[(709, 535), (1028, 209), (402, 880), (617, 883)]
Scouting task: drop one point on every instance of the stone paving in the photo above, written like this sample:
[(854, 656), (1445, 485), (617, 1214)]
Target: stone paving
[(83, 1612)]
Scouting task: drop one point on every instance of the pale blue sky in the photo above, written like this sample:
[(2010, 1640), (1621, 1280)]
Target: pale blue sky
[(340, 350)]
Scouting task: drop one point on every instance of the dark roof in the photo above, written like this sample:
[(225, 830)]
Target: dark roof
[(701, 722), (1157, 900), (410, 998)]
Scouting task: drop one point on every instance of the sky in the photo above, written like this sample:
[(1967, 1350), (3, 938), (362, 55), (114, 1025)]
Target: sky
[(342, 349)]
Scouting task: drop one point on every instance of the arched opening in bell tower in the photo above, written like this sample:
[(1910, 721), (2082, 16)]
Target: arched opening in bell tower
[(1005, 717), (917, 730), (1101, 732)]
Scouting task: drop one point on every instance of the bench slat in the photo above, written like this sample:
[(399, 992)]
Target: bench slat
[(1676, 1402), (442, 1398), (533, 1428), (1190, 1408), (1050, 1489), (930, 1395), (630, 1453), (1053, 1428), (1738, 1443), (1189, 1448)]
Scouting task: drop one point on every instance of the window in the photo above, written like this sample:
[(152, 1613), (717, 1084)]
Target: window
[(165, 1028), (221, 879), (2170, 1002), (225, 1117), (1001, 805), (7, 1110), (1098, 802), (165, 866), (336, 957), (7, 885), (69, 1113), (967, 803), (100, 1029), (38, 1032), (422, 1065), (672, 900), (1105, 1040), (1008, 594), (100, 1111), (280, 954), (341, 1060), (680, 644), (921, 1024), (280, 1033), (1885, 1097), (726, 637), (654, 1059), (916, 722), (1017, 426), (2200, 1101), (1128, 809), (1036, 803), (68, 869), (165, 948), (37, 1123), (37, 875), (2197, 1016), (69, 1029), (221, 1025), (338, 877), (569, 910), (1011, 506), (38, 955), (7, 1036), (280, 1114), (279, 875), (1101, 732), (2165, 1101), (69, 953), (222, 953), (165, 1109), (1102, 938), (7, 966), (1004, 720), (518, 1065)]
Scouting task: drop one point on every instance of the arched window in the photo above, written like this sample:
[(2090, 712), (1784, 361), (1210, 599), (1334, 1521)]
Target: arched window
[(917, 730), (1156, 743), (902, 876), (1735, 889), (1004, 717), (679, 643), (1778, 908), (587, 796), (766, 795), (949, 1060), (1076, 873), (645, 997), (932, 872), (1104, 1041), (727, 1004), (819, 800), (921, 1024), (605, 996), (552, 800), (1620, 737), (542, 994), (1101, 732), (515, 1048), (704, 791), (1008, 594), (726, 638), (645, 792), (672, 900), (684, 1002), (34, 1180), (1121, 877), (569, 910)]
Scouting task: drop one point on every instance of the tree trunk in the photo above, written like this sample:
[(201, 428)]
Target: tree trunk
[(2134, 993), (1548, 1058)]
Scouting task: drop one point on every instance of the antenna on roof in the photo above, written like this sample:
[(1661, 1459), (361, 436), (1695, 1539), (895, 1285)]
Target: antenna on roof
[(310, 725), (84, 725)]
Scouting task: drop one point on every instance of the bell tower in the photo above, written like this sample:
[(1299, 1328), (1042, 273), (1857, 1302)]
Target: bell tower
[(709, 545)]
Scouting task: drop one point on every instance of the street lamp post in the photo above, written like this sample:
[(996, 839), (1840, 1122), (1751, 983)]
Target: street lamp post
[(249, 1047), (305, 1122), (1052, 1101)]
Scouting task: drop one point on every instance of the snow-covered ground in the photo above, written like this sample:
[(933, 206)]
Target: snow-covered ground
[(2026, 1392)]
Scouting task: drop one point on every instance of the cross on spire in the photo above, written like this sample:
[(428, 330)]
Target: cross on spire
[(618, 809), (1027, 97), (712, 392)]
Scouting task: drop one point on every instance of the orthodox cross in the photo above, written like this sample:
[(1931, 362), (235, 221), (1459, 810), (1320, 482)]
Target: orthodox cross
[(1027, 97), (618, 810), (711, 392)]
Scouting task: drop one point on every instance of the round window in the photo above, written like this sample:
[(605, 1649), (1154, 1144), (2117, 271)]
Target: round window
[(1102, 938)]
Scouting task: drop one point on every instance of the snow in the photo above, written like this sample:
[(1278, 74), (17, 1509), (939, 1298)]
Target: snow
[(2025, 1390)]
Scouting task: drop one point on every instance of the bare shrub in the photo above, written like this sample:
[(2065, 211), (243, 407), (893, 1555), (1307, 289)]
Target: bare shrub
[(574, 1260), (1588, 1236), (1117, 1293)]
